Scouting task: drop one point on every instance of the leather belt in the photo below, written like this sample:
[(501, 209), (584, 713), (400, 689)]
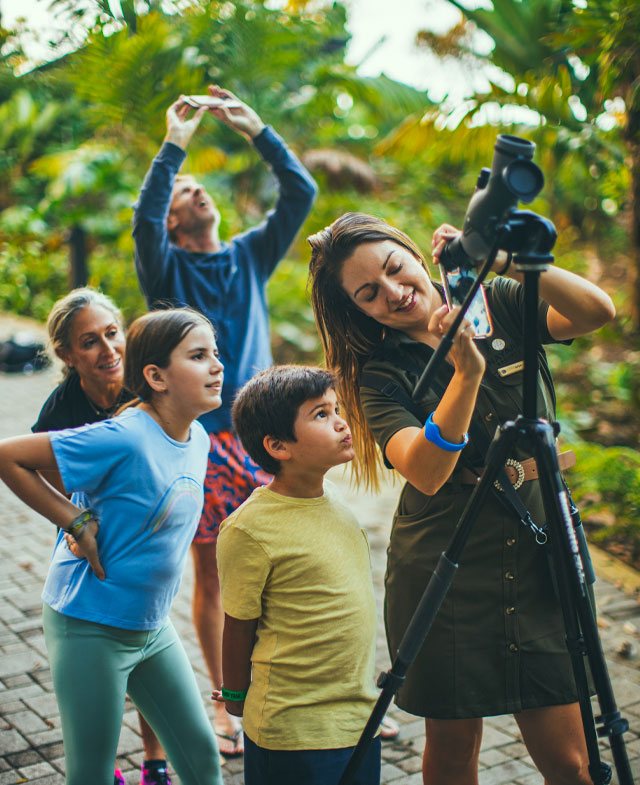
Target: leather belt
[(517, 471)]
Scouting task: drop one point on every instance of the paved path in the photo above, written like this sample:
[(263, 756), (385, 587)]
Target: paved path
[(30, 737)]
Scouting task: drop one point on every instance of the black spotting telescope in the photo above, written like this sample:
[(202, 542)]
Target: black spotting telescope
[(513, 177)]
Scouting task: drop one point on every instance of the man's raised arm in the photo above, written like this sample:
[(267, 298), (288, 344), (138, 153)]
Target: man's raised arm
[(150, 234)]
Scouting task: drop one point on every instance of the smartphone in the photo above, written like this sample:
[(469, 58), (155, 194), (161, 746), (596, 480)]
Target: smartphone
[(210, 100), (456, 284)]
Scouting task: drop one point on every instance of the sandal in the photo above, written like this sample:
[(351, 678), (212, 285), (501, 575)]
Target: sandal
[(237, 746), (389, 729)]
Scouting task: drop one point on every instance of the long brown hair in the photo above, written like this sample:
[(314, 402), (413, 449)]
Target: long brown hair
[(150, 340), (349, 337)]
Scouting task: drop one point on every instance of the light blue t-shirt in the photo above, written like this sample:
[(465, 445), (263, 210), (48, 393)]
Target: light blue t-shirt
[(147, 490)]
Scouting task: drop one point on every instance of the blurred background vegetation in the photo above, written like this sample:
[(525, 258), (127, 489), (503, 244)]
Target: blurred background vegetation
[(78, 133)]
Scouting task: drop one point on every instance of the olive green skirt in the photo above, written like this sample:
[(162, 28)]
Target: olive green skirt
[(497, 645)]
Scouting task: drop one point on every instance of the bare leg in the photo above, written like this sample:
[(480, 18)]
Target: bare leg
[(554, 737), (208, 619), (152, 747), (451, 752)]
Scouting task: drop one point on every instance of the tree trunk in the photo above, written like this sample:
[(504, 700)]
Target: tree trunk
[(635, 238), (78, 272), (632, 138)]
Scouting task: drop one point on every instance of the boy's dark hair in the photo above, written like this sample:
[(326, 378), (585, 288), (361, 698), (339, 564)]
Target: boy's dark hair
[(268, 405)]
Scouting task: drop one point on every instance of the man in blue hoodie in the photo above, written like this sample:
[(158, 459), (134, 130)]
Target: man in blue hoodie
[(180, 258)]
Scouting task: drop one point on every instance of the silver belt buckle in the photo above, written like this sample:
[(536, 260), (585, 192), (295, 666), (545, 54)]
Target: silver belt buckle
[(519, 468)]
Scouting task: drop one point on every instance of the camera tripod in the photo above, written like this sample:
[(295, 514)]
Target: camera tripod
[(529, 238)]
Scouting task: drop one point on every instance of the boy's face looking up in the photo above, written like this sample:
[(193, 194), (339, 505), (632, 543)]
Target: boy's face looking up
[(323, 438)]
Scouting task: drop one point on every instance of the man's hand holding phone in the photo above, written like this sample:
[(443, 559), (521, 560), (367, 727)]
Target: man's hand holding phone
[(182, 122), (230, 110)]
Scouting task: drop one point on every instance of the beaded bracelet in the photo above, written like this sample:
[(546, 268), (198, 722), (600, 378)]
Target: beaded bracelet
[(237, 696), (78, 525)]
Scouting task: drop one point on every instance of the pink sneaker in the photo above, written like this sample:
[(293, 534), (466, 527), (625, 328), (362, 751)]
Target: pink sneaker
[(118, 779)]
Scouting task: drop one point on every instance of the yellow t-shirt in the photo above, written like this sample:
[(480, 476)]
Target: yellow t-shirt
[(302, 566)]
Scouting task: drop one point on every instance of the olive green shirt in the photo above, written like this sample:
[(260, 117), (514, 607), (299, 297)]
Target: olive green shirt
[(497, 644)]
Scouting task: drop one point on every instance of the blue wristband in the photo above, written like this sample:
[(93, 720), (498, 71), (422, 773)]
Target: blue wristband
[(432, 434)]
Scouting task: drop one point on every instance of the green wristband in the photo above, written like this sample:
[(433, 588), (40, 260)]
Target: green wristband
[(234, 695), (78, 525)]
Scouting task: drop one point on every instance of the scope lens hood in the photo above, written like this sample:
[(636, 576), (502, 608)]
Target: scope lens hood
[(514, 146)]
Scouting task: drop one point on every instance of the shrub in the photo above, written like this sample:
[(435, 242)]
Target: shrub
[(606, 486)]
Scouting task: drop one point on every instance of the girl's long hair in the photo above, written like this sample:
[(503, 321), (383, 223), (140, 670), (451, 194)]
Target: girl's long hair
[(348, 336), (150, 340)]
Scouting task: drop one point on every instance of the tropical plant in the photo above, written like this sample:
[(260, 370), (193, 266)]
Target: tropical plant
[(605, 35), (607, 489), (324, 110), (545, 60)]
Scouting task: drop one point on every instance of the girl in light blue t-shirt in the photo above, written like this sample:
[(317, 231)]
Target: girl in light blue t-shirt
[(105, 617)]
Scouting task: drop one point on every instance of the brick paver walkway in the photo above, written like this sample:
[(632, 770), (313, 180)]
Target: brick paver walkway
[(30, 737)]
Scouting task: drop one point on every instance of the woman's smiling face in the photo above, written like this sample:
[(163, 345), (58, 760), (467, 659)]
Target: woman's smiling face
[(96, 347), (390, 285)]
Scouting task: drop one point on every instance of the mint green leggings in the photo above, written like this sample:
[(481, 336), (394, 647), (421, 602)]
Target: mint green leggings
[(95, 666)]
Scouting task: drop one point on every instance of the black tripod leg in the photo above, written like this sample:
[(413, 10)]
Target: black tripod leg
[(410, 645), (580, 626), (431, 600)]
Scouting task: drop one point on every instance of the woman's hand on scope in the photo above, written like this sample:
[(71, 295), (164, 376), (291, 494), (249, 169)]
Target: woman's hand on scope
[(440, 238), (464, 354), (443, 236)]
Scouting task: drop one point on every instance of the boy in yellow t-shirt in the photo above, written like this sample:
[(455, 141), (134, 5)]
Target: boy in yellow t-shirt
[(295, 575)]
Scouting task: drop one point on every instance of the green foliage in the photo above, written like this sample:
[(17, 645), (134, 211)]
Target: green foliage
[(35, 273), (294, 335), (32, 276), (80, 132), (520, 30), (606, 484), (543, 48), (89, 173), (112, 272)]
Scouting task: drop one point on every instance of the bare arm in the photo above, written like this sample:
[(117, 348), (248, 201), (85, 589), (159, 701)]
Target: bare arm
[(238, 640), (426, 466), (21, 460), (54, 478), (576, 306)]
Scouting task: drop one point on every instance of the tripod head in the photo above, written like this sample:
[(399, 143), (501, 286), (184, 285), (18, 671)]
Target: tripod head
[(530, 238)]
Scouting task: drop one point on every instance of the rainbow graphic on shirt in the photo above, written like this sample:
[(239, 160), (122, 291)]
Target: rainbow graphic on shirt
[(183, 498)]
